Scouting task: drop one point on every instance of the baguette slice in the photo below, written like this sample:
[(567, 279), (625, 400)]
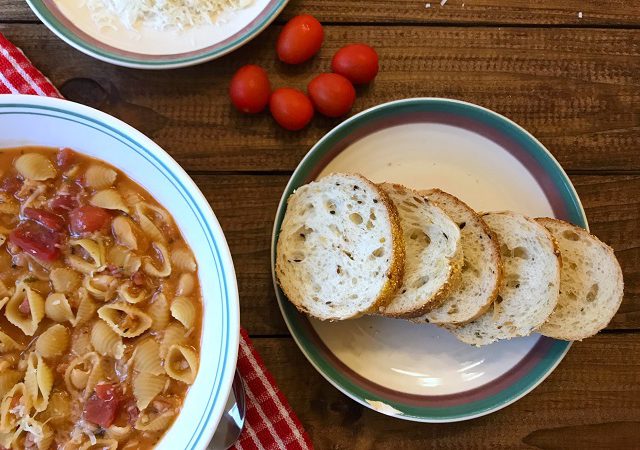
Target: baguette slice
[(340, 252), (591, 284), (530, 286), (433, 253), (482, 269)]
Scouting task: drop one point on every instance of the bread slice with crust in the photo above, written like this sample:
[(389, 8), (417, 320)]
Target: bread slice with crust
[(530, 285), (433, 253), (340, 251), (482, 268), (591, 284)]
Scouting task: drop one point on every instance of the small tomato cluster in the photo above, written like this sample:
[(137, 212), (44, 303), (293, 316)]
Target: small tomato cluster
[(331, 94)]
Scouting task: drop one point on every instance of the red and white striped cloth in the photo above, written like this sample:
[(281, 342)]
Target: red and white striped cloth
[(270, 423)]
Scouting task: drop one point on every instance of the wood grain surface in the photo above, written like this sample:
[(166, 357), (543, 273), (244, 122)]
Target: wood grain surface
[(577, 90), (574, 82), (591, 401), (469, 12)]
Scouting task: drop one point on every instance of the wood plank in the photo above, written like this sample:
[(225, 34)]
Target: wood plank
[(503, 12), (246, 206), (592, 400), (576, 90)]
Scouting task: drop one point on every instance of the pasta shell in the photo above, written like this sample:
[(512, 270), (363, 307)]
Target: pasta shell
[(124, 259), (148, 422), (100, 444), (109, 199), (184, 311), (53, 342), (83, 373), (131, 294), (146, 387), (38, 381), (118, 433), (10, 415), (8, 379), (34, 166), (81, 343), (101, 287), (94, 256), (174, 334), (181, 364), (183, 260), (64, 280), (125, 319), (57, 308), (146, 357), (7, 343), (148, 216), (28, 323), (186, 285), (86, 308), (106, 341), (98, 176), (163, 255), (122, 229), (130, 196), (158, 310)]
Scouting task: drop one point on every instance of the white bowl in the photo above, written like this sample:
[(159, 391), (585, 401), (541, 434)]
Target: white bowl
[(31, 120)]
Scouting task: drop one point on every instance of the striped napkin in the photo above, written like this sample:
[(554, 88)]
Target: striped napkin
[(270, 422)]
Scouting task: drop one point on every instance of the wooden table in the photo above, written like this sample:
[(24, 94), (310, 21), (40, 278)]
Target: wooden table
[(573, 81)]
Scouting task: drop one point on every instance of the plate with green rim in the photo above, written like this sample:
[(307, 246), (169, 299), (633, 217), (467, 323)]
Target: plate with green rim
[(421, 372), (147, 48)]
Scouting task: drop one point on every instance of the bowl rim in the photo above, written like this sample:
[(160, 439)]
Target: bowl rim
[(228, 276)]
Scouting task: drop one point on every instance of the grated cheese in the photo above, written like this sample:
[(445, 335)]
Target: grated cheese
[(160, 14)]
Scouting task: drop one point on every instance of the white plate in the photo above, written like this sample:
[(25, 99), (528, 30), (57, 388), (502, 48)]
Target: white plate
[(421, 372)]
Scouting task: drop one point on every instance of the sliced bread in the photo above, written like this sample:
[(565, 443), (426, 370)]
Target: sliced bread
[(433, 253), (591, 285), (340, 251), (529, 288), (482, 268)]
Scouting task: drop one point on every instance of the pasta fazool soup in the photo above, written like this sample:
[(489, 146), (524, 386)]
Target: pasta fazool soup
[(100, 307)]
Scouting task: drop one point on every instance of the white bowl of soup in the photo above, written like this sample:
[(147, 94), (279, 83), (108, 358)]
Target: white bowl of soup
[(119, 316)]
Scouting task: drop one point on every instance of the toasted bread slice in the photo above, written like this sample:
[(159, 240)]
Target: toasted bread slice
[(433, 253), (591, 284), (340, 252), (529, 289), (482, 269)]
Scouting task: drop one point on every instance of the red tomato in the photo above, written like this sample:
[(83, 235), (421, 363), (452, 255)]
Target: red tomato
[(300, 39), (291, 108), (102, 406), (356, 62), (250, 89), (332, 94), (25, 307), (37, 240), (88, 218), (65, 157), (45, 218), (62, 204)]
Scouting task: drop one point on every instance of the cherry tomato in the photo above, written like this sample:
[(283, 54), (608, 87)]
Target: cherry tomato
[(300, 39), (250, 89), (37, 240), (88, 218), (331, 94), (101, 411), (356, 62), (62, 204), (291, 108), (45, 218), (11, 185)]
